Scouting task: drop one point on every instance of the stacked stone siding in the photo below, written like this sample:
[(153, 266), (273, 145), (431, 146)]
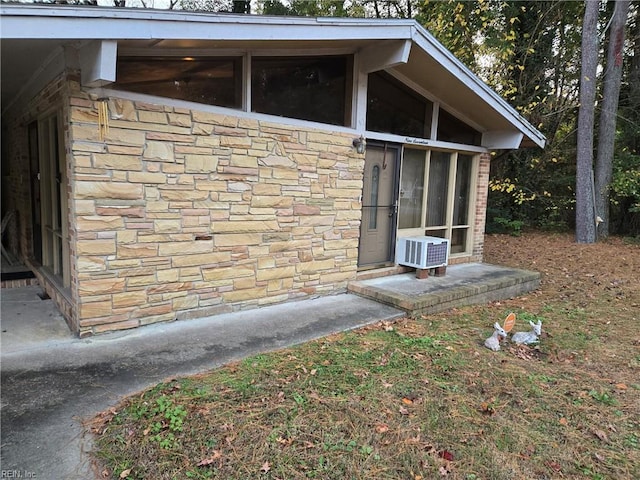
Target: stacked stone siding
[(183, 213)]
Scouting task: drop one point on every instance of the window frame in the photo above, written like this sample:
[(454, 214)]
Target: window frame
[(54, 207), (447, 229), (246, 59)]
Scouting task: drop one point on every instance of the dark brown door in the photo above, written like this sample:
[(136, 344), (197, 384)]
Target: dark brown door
[(379, 206)]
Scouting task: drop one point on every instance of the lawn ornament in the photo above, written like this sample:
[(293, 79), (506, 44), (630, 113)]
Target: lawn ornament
[(493, 342), (529, 337)]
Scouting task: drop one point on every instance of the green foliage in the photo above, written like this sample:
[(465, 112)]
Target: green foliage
[(626, 180), (305, 8)]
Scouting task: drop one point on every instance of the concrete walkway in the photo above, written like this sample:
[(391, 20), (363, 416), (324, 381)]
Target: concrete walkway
[(52, 382)]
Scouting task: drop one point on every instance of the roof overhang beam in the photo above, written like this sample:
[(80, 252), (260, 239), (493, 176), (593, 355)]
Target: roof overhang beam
[(502, 140), (98, 63), (387, 55)]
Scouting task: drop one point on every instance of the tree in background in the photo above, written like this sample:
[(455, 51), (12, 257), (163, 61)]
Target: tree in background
[(608, 114), (585, 208), (625, 185)]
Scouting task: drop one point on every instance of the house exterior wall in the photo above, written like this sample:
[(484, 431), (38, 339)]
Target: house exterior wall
[(182, 213)]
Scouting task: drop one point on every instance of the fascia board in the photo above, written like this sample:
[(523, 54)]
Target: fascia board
[(114, 24)]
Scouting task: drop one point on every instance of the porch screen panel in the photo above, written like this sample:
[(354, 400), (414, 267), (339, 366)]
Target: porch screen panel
[(463, 190), (411, 189), (438, 189)]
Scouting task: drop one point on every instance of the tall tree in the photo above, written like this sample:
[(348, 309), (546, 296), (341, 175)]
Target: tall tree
[(585, 208), (608, 114)]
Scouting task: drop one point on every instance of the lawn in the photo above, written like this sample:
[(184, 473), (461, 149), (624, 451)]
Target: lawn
[(420, 398)]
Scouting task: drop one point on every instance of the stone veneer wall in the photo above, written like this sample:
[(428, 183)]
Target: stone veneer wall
[(182, 213)]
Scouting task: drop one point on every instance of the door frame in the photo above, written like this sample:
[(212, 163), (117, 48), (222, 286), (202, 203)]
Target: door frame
[(388, 146)]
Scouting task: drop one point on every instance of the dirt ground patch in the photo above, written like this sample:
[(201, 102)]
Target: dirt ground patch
[(419, 398)]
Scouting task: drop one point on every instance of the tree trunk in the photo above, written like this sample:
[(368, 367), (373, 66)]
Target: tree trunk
[(607, 128), (585, 215)]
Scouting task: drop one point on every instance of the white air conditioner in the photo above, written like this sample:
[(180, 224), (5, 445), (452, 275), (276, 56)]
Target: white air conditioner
[(422, 252)]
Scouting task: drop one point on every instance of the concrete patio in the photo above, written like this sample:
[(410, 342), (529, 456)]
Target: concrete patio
[(464, 284)]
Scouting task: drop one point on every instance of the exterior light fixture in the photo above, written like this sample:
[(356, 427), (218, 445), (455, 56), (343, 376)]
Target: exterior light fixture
[(359, 144)]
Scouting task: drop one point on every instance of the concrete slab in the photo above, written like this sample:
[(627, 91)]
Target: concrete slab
[(49, 388), (27, 321), (463, 284)]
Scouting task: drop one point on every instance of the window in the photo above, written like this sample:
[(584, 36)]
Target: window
[(308, 88), (54, 235), (411, 190), (451, 129), (393, 108), (444, 209), (213, 81)]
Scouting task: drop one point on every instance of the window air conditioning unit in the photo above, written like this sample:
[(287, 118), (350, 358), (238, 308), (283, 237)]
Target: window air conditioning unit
[(422, 252)]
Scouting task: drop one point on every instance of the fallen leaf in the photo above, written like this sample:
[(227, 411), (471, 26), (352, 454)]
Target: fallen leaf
[(266, 466), (599, 457), (563, 421), (382, 428), (403, 411), (313, 371), (601, 435), (284, 441), (208, 461), (407, 401), (125, 473), (621, 386), (146, 431), (487, 408), (554, 466), (446, 454)]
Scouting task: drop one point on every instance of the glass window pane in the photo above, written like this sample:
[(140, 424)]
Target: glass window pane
[(411, 189), (438, 188), (451, 129), (458, 240), (310, 88), (463, 187), (213, 81), (393, 108), (375, 186)]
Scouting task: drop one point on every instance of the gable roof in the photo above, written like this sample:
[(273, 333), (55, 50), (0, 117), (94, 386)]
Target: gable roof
[(33, 36)]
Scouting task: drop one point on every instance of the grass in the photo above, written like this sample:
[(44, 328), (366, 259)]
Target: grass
[(417, 399)]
